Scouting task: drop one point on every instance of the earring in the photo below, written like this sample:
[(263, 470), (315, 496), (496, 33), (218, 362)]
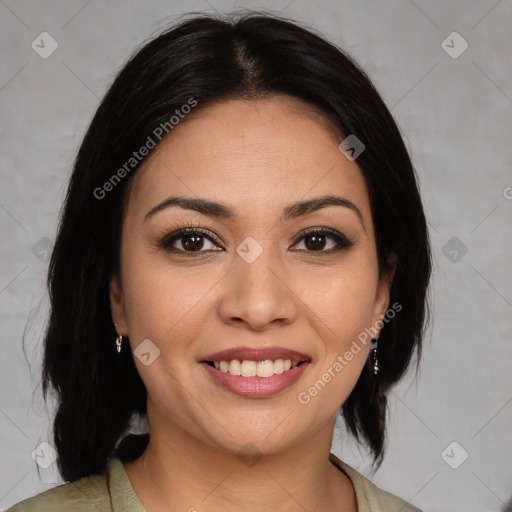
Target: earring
[(119, 341), (376, 366)]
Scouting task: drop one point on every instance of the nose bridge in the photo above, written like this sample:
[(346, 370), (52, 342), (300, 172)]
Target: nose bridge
[(257, 294)]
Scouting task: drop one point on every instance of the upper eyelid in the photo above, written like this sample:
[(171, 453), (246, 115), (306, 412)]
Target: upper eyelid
[(177, 233)]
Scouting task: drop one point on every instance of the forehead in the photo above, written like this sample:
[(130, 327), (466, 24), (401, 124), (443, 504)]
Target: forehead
[(246, 152)]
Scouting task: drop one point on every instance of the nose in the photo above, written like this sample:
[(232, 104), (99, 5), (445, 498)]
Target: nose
[(258, 295)]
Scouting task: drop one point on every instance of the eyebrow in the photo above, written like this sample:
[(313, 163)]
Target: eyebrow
[(218, 210)]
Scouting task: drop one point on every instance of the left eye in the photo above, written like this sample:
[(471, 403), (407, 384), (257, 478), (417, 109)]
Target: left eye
[(317, 240)]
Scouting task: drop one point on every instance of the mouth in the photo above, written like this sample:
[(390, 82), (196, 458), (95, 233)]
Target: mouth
[(257, 373)]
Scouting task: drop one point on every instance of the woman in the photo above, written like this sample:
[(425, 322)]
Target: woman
[(242, 256)]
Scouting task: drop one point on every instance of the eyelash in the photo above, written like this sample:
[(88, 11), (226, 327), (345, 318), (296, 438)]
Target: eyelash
[(166, 241)]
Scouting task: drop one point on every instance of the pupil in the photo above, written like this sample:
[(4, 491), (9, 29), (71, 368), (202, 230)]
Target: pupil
[(318, 241), (193, 242)]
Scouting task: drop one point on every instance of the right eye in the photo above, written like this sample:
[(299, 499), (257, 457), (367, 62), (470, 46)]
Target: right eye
[(191, 240)]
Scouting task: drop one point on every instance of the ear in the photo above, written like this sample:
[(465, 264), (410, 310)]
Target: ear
[(117, 308), (383, 289)]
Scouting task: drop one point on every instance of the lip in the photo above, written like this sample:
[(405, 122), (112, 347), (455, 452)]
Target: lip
[(257, 354), (255, 387)]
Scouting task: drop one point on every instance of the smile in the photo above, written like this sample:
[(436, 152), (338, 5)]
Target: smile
[(255, 372)]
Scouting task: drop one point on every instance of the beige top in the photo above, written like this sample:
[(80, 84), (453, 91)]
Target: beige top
[(111, 491)]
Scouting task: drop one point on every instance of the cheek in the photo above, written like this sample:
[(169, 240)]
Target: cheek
[(162, 301), (168, 307), (343, 307), (343, 298)]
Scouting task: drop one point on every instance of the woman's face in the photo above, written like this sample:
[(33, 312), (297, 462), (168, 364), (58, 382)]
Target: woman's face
[(247, 277)]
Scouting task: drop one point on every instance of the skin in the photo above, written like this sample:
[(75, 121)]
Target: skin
[(257, 157)]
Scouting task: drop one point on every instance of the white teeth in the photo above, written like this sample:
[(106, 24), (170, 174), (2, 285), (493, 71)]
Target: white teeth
[(265, 368), (235, 368), (248, 368)]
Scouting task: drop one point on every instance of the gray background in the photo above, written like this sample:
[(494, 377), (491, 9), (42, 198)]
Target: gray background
[(455, 114)]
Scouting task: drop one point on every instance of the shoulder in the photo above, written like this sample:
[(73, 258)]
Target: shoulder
[(370, 497), (85, 494)]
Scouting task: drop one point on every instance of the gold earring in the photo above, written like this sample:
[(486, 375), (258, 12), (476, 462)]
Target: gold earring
[(376, 366), (119, 340)]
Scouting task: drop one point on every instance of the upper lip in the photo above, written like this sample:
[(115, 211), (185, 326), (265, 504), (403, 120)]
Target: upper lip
[(257, 354)]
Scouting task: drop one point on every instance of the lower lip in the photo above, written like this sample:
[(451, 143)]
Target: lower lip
[(256, 387)]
